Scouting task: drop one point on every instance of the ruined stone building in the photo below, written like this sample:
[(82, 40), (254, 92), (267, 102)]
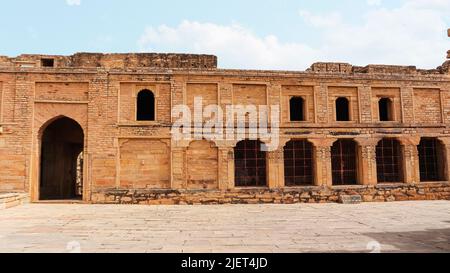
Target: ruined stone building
[(97, 127)]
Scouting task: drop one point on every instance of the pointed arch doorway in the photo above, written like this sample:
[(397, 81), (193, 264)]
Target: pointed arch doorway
[(61, 161)]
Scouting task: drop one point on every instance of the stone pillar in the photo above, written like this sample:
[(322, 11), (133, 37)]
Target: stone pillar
[(226, 164), (275, 168), (323, 175), (226, 168), (321, 104), (407, 98), (445, 141), (178, 165), (367, 162), (411, 168), (365, 103)]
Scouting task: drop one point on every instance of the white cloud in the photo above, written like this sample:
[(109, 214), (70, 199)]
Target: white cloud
[(236, 46), (327, 20), (413, 34), (374, 2), (73, 2)]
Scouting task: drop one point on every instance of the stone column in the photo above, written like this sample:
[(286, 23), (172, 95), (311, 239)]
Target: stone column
[(226, 168), (411, 168), (445, 141), (323, 175), (367, 162), (178, 164), (365, 103), (407, 98), (275, 165), (226, 164), (321, 104), (275, 168)]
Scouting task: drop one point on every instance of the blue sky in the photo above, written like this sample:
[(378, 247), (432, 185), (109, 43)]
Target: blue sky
[(283, 34)]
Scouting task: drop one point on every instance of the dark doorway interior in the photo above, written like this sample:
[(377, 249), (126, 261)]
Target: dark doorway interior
[(61, 161)]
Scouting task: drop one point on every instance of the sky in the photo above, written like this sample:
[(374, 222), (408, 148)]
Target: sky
[(244, 34)]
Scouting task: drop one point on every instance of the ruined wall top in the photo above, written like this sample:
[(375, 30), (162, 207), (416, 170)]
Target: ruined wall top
[(119, 61), (132, 61), (345, 68)]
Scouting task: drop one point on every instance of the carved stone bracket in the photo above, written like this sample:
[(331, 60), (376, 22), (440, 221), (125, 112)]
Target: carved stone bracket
[(414, 140), (323, 152), (277, 155), (322, 142)]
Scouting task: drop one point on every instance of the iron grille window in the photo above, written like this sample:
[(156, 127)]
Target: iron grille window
[(389, 161), (429, 160), (250, 164), (298, 163), (343, 159)]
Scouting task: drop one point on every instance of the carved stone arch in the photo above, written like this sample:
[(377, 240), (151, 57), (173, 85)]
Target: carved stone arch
[(202, 161), (44, 125), (211, 141)]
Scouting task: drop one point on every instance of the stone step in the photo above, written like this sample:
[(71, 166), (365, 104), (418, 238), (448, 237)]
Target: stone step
[(350, 199), (9, 200)]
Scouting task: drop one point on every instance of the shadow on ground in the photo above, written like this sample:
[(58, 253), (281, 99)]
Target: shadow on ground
[(432, 240)]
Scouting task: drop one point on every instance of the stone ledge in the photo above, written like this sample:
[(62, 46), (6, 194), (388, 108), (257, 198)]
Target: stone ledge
[(9, 200), (378, 193)]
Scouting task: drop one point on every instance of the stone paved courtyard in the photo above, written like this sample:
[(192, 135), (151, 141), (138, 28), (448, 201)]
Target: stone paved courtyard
[(396, 227)]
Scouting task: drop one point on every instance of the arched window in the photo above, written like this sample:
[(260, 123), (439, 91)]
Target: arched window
[(145, 106), (389, 161), (344, 164), (385, 109), (342, 109), (250, 164), (296, 107), (298, 163)]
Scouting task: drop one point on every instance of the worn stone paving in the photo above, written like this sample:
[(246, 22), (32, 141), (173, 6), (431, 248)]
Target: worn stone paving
[(385, 227)]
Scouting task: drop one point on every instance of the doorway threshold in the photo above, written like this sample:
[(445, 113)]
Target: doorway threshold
[(64, 201)]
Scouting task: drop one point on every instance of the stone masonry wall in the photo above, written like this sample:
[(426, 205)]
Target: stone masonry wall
[(379, 193), (128, 160)]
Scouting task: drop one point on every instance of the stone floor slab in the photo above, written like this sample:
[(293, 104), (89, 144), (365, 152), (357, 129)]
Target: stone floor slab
[(366, 227)]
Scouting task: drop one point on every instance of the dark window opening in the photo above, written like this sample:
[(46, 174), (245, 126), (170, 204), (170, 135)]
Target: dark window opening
[(146, 106), (296, 105), (430, 160), (342, 109), (298, 163), (385, 109), (47, 62), (389, 159), (343, 159), (250, 164)]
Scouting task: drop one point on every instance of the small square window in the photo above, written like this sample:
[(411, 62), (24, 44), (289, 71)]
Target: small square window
[(47, 62)]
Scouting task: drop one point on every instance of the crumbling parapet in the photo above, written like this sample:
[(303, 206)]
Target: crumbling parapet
[(112, 61), (448, 52)]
